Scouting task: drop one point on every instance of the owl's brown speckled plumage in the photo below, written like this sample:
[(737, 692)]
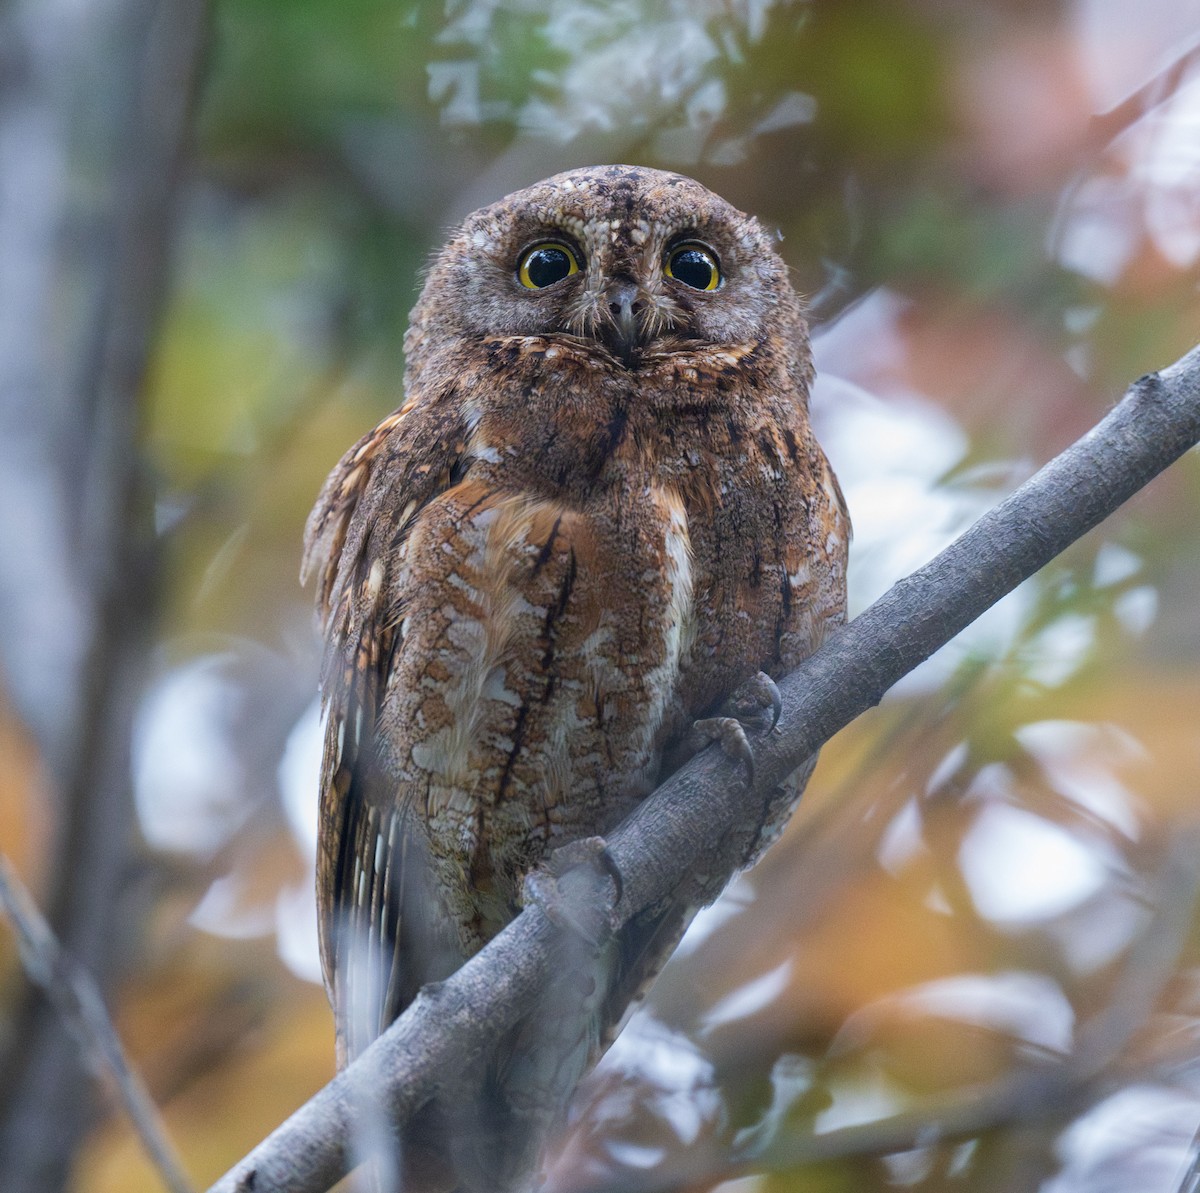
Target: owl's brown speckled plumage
[(599, 511)]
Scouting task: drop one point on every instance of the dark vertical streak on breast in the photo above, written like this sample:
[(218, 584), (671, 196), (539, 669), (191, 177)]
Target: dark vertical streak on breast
[(553, 615), (613, 434), (547, 547)]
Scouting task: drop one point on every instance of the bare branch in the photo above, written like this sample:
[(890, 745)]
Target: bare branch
[(691, 825), (1105, 127), (79, 1001)]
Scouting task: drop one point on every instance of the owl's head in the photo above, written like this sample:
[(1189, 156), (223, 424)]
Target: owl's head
[(621, 261)]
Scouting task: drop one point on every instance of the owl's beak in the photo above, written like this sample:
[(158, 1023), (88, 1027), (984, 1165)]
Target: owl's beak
[(625, 327)]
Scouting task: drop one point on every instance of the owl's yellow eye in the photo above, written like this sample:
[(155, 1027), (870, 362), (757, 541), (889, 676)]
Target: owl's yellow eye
[(544, 264), (694, 265)]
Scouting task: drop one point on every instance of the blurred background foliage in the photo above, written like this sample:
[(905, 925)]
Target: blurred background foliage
[(994, 210)]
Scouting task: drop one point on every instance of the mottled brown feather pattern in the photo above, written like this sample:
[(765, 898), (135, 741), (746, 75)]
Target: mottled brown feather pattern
[(532, 578)]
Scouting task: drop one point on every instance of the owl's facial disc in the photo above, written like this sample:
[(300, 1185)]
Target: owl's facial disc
[(622, 265)]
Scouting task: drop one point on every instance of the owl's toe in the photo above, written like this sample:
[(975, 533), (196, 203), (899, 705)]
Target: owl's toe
[(730, 735), (746, 708), (543, 887)]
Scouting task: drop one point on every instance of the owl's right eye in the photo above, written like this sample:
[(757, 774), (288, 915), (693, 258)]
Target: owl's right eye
[(544, 264)]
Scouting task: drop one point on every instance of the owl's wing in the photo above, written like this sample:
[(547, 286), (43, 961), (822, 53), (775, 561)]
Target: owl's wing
[(381, 937)]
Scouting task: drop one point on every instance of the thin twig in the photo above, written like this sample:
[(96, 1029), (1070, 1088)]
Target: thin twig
[(694, 823), (1105, 127), (79, 1002)]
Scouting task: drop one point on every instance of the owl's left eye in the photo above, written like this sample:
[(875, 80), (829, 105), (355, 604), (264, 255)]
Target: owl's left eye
[(694, 265), (544, 264)]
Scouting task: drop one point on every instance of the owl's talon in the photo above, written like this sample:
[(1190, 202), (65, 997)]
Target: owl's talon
[(608, 863), (753, 698), (730, 735), (744, 708), (776, 701)]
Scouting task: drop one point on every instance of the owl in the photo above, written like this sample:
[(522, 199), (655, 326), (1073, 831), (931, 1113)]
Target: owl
[(599, 514)]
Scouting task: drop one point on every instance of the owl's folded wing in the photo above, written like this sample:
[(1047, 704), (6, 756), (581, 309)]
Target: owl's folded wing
[(375, 917)]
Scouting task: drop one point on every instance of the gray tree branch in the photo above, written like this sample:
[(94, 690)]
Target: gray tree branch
[(685, 827)]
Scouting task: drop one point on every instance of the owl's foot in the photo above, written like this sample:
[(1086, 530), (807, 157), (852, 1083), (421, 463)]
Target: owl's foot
[(730, 735), (542, 884), (746, 706), (753, 698)]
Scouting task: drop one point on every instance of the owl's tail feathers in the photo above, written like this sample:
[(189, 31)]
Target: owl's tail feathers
[(484, 1130), (496, 1140)]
